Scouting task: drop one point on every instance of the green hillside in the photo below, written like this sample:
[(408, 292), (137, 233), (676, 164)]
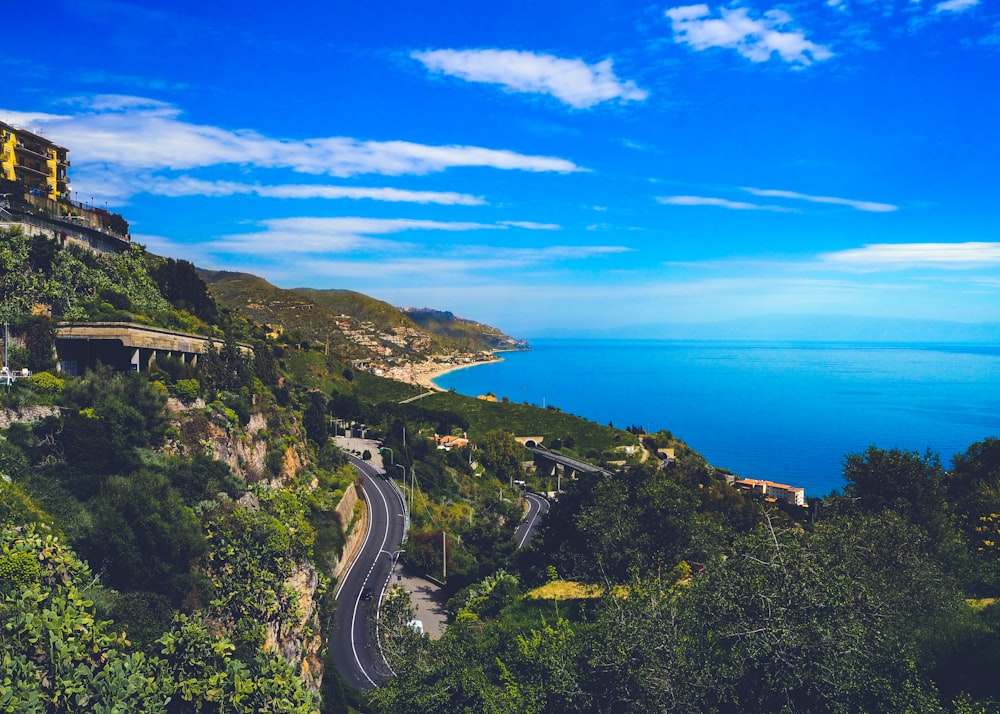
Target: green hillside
[(466, 332), (356, 325)]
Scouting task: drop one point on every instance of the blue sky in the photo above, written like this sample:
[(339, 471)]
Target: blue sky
[(543, 166)]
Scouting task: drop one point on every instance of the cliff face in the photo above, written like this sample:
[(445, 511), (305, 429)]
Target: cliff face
[(243, 449), (301, 641), (293, 626), (25, 414)]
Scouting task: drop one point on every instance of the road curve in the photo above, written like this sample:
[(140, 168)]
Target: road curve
[(537, 507), (351, 644), (352, 647)]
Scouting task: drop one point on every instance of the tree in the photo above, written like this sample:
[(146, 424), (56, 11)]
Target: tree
[(824, 622), (315, 419), (973, 487), (200, 672), (897, 480), (143, 536), (57, 655), (501, 453), (180, 283)]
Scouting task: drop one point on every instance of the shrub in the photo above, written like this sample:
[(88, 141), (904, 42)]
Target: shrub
[(188, 389), (47, 382)]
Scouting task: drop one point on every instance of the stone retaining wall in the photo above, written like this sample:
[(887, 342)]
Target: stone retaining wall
[(345, 511)]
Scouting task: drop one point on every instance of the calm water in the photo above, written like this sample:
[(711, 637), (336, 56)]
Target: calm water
[(788, 412)]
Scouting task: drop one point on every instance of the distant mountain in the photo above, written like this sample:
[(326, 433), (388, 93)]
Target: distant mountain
[(463, 331), (353, 324)]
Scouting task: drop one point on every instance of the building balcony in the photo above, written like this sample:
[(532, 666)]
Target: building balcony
[(33, 150), (32, 170)]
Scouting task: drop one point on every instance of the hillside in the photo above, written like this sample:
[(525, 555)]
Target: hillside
[(466, 332), (353, 325)]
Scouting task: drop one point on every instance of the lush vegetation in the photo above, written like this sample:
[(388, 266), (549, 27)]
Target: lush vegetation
[(37, 277), (128, 547), (156, 531), (709, 602), (308, 315)]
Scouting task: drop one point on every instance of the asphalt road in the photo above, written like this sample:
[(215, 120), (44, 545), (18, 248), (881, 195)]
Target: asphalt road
[(353, 649), (351, 644), (537, 507)]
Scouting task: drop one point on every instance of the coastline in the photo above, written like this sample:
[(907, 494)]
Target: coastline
[(425, 374)]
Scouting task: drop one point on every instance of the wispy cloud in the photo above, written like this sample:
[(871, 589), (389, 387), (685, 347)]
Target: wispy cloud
[(719, 203), (367, 235), (136, 133), (871, 206), (189, 186), (532, 225), (377, 250), (474, 265), (955, 5), (901, 256), (756, 39), (333, 235), (571, 81)]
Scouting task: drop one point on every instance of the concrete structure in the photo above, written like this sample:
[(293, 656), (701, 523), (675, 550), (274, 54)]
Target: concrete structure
[(35, 195), (552, 463), (529, 442), (63, 231), (34, 161), (126, 346), (774, 491)]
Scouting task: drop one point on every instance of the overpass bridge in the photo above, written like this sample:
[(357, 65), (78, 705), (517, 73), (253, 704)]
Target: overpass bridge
[(126, 346), (551, 462)]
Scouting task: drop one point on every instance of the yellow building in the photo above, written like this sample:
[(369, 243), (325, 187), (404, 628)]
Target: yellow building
[(34, 161)]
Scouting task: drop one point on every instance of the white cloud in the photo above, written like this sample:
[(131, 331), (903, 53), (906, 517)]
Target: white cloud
[(319, 250), (757, 40), (362, 235), (571, 81), (471, 266), (720, 203), (332, 235), (955, 5), (135, 133), (871, 206), (188, 186), (532, 225), (900, 256)]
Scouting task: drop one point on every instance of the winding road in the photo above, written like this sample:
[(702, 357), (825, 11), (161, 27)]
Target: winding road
[(351, 645), (537, 507)]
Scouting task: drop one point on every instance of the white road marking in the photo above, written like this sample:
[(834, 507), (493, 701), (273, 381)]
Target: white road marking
[(538, 509), (357, 601)]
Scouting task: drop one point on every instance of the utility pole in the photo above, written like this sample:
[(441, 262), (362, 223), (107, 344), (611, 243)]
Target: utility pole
[(444, 555)]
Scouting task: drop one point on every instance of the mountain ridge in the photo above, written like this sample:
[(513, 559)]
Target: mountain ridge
[(359, 326)]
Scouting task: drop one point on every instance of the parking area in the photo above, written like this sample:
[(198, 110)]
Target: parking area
[(427, 601)]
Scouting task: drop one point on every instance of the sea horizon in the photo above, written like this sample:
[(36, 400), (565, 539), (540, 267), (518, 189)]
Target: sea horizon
[(783, 410)]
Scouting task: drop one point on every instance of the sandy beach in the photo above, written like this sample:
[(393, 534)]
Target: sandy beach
[(425, 373)]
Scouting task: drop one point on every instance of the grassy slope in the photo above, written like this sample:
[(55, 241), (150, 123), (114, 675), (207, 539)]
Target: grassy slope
[(472, 335), (312, 313), (528, 420)]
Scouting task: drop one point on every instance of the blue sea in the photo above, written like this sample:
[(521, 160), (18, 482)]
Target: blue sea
[(788, 412)]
